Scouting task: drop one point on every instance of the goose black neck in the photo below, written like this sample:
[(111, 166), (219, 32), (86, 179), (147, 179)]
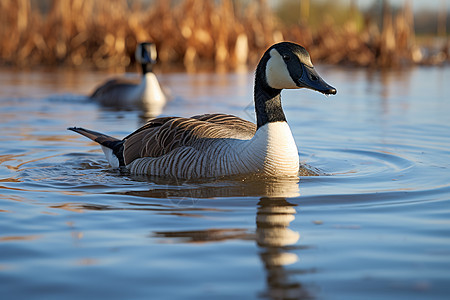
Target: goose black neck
[(146, 68), (267, 101)]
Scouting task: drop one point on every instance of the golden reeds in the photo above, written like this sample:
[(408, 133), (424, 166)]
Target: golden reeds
[(103, 34)]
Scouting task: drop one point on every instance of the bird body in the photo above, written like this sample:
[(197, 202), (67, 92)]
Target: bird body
[(214, 145), (124, 93), (271, 150)]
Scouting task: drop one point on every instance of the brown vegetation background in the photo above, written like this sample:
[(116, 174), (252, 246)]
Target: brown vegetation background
[(200, 33)]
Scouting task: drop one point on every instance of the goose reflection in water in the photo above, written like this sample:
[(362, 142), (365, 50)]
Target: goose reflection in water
[(275, 240)]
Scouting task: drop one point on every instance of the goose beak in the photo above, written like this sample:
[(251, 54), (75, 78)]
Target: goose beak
[(311, 80)]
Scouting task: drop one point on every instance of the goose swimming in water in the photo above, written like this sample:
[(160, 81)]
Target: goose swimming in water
[(125, 93), (214, 145)]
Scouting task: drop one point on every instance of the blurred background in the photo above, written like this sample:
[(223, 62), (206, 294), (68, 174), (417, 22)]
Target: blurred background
[(221, 34)]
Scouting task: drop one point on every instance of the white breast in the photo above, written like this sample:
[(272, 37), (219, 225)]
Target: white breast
[(272, 150), (152, 93), (147, 92)]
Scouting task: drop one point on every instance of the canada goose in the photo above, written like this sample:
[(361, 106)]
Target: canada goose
[(214, 145), (125, 93)]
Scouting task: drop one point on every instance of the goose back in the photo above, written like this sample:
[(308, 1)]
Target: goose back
[(162, 135), (115, 92)]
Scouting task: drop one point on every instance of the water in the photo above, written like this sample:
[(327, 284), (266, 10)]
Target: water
[(375, 225)]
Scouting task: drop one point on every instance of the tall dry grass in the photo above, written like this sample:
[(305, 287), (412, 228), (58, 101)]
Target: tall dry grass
[(103, 34)]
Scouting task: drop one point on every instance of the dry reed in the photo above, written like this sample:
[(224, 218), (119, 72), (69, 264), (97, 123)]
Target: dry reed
[(103, 34)]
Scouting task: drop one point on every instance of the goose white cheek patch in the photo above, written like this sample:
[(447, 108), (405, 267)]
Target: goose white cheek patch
[(277, 73)]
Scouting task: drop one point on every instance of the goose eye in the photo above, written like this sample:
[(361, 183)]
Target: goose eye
[(286, 57)]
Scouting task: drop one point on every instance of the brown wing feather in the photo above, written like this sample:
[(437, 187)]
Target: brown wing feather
[(163, 135), (112, 92), (111, 84)]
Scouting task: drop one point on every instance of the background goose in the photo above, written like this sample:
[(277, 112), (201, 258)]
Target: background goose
[(123, 93), (214, 145)]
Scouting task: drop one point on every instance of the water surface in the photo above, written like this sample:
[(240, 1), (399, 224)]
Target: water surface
[(374, 225)]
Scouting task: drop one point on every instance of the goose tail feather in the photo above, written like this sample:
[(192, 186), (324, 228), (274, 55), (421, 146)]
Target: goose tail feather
[(111, 146)]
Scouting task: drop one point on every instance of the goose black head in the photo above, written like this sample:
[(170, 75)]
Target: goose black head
[(288, 66), (146, 53)]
